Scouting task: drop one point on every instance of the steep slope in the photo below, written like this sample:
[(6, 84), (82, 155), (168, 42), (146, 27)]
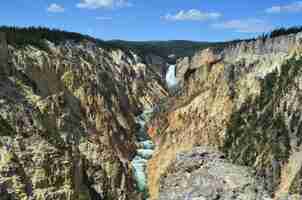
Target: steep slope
[(165, 49), (244, 100), (67, 120)]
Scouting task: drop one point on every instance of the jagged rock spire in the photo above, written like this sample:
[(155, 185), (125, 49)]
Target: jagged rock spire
[(3, 54)]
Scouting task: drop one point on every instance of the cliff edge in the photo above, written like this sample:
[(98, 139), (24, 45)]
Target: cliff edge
[(243, 100)]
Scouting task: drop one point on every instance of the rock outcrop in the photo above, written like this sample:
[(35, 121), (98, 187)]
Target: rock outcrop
[(204, 174), (159, 64), (244, 100), (206, 57), (3, 54), (237, 51), (67, 120)]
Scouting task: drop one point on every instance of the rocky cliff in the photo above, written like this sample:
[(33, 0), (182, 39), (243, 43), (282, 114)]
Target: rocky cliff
[(68, 126), (244, 101), (67, 120), (203, 173), (3, 54)]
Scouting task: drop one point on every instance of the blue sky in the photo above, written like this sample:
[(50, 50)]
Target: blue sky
[(200, 20)]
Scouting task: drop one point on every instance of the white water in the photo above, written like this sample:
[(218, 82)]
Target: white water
[(139, 163), (144, 153), (171, 76)]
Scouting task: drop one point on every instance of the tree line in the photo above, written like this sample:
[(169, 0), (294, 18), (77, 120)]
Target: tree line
[(273, 34), (22, 36), (36, 36)]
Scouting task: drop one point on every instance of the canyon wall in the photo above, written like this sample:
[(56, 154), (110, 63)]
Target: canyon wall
[(3, 54), (67, 120), (244, 101)]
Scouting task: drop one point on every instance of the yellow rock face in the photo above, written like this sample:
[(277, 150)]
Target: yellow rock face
[(247, 105), (67, 121)]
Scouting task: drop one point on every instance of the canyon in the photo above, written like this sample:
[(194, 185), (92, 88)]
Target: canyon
[(68, 119), (244, 101), (82, 121)]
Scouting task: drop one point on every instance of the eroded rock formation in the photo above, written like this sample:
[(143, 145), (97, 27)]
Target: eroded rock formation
[(204, 174), (3, 54), (244, 100), (67, 120)]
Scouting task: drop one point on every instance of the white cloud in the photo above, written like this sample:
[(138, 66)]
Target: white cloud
[(245, 26), (90, 31), (104, 18), (289, 8), (55, 8), (274, 9), (192, 15), (95, 4)]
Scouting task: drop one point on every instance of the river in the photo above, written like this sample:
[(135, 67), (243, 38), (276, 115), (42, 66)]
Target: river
[(145, 145), (144, 153)]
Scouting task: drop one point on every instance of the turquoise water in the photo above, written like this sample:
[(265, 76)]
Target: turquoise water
[(143, 154), (145, 144)]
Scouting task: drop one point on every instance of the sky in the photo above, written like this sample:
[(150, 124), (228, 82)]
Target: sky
[(141, 20)]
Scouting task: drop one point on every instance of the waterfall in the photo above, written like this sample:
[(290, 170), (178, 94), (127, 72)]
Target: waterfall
[(171, 76), (145, 144)]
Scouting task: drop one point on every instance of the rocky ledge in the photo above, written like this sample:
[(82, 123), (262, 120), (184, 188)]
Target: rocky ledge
[(204, 174)]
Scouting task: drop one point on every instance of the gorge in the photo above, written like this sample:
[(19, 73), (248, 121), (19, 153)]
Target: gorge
[(144, 143), (144, 153), (87, 120)]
